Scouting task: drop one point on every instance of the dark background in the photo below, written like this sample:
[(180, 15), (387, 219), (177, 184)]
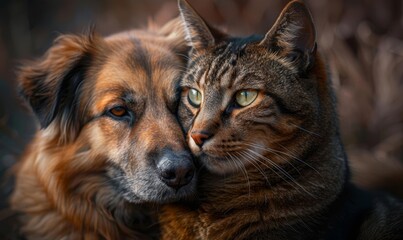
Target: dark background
[(362, 41)]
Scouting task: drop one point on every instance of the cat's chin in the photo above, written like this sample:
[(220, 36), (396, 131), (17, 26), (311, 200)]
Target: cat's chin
[(218, 165), (214, 162)]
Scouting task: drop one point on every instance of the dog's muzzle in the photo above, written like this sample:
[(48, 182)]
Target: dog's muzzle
[(175, 169)]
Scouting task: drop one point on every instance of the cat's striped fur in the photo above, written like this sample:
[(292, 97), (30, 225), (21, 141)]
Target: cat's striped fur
[(275, 169)]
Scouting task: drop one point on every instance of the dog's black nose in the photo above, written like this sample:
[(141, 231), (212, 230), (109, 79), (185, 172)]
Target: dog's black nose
[(175, 170)]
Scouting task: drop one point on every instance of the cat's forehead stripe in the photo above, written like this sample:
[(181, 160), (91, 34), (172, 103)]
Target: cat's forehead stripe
[(227, 97), (226, 77), (193, 76), (217, 66), (221, 69), (202, 80)]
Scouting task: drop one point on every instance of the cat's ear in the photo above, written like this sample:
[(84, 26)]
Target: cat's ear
[(198, 33), (293, 34)]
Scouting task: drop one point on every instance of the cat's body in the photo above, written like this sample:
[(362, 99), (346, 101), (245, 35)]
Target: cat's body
[(260, 115)]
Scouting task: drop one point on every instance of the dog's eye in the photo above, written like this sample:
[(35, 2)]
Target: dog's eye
[(118, 111)]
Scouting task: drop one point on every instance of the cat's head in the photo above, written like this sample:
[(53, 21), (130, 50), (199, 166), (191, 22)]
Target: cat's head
[(249, 100)]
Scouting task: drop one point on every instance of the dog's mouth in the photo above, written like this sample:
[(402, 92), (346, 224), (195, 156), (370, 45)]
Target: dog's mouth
[(147, 187)]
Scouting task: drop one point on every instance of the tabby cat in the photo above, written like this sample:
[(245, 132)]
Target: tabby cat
[(261, 117)]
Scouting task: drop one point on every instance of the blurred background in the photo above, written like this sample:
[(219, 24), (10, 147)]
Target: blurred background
[(361, 39)]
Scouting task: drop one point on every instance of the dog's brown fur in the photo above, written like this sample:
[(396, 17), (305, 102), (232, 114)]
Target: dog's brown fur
[(86, 171)]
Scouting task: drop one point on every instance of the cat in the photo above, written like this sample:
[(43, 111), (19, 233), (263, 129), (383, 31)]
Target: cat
[(260, 116)]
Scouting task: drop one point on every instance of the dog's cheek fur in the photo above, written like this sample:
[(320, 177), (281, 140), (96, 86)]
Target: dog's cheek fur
[(51, 85), (75, 183)]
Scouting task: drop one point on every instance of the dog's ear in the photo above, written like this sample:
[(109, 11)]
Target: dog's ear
[(199, 34), (175, 36), (51, 85), (293, 34)]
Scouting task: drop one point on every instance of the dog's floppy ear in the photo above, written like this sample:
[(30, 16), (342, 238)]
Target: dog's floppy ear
[(51, 85), (175, 36)]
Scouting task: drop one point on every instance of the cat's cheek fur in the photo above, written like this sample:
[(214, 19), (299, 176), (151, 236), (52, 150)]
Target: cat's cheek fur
[(217, 165)]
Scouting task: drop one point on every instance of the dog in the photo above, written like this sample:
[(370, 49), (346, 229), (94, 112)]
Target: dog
[(109, 144)]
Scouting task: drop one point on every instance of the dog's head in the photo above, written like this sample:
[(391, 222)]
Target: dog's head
[(112, 104)]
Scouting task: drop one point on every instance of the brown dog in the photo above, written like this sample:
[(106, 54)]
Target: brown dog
[(109, 139)]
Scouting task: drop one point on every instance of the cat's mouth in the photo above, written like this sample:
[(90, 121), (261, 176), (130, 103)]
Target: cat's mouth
[(220, 157), (225, 158), (208, 152), (220, 163), (216, 153), (202, 153)]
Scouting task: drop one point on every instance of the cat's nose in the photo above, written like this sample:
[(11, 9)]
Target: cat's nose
[(199, 137)]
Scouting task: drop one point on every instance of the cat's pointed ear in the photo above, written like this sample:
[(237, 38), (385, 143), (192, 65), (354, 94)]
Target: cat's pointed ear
[(198, 33), (293, 33)]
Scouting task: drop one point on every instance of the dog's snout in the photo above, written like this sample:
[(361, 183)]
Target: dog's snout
[(175, 170)]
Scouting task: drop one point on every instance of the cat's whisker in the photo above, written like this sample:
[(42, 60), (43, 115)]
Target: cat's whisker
[(277, 154), (231, 161), (247, 157), (242, 166), (257, 157), (294, 157), (281, 170), (265, 148), (303, 129)]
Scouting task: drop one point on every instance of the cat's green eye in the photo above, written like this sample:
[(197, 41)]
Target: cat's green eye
[(245, 97), (194, 97)]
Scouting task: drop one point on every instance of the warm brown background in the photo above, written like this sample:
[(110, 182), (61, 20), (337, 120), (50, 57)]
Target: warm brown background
[(363, 41)]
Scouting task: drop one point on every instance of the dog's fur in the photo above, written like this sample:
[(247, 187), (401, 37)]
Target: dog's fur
[(87, 170)]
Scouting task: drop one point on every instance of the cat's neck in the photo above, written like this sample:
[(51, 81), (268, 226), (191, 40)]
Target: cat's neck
[(281, 196)]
